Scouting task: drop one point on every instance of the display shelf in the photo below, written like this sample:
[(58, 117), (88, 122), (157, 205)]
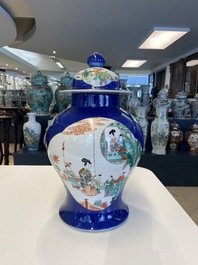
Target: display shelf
[(27, 157), (172, 169), (158, 231), (184, 125)]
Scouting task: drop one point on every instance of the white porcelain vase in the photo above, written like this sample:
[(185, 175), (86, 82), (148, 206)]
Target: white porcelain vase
[(32, 132), (160, 125), (141, 115)]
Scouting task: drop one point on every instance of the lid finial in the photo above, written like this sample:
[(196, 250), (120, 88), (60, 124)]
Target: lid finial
[(96, 60)]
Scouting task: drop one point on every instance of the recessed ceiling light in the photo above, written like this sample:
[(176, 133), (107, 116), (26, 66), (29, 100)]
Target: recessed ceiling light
[(58, 62), (133, 63), (161, 37), (60, 65)]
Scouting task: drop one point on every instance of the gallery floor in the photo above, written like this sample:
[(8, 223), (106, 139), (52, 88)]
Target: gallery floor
[(187, 197)]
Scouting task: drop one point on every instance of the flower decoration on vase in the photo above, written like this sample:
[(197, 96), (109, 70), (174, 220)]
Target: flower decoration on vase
[(63, 100), (94, 146), (181, 107), (39, 94), (160, 125), (32, 132)]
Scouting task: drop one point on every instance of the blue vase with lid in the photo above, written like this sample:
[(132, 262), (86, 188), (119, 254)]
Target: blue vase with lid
[(94, 146)]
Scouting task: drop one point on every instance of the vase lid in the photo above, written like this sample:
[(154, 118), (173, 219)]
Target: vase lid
[(133, 87), (161, 99), (174, 126), (181, 95), (96, 78), (162, 93), (66, 80), (194, 127), (39, 78)]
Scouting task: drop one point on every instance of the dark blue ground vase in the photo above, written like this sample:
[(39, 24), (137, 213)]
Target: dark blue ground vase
[(94, 146)]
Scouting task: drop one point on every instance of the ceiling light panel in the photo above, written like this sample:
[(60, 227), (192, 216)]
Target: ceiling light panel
[(133, 63), (161, 37), (58, 62), (192, 63)]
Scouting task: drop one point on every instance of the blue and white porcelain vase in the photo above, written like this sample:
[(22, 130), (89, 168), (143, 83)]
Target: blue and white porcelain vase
[(94, 146), (160, 127), (62, 98), (39, 95), (181, 107), (32, 132)]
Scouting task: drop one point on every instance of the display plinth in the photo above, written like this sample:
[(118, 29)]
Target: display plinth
[(157, 231)]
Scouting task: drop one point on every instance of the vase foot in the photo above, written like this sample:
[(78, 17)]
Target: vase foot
[(94, 222), (82, 218)]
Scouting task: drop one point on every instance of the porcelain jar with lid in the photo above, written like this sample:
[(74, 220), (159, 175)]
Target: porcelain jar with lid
[(39, 95), (160, 125), (181, 107), (94, 146), (63, 99), (175, 138), (191, 138)]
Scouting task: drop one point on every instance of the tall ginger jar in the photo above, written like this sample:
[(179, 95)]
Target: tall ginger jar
[(175, 138), (160, 125), (39, 95), (63, 99), (191, 138), (94, 145)]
